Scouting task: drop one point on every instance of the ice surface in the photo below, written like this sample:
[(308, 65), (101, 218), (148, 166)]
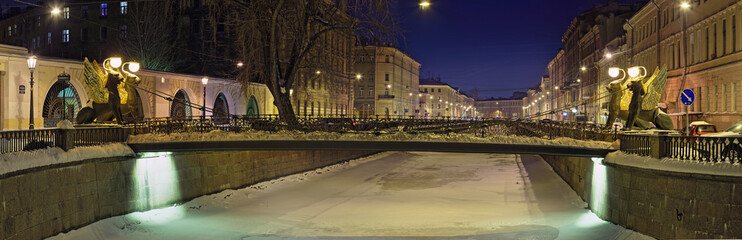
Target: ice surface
[(391, 195)]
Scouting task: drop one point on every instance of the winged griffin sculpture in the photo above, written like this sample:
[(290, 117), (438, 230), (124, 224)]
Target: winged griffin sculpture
[(110, 90), (635, 99)]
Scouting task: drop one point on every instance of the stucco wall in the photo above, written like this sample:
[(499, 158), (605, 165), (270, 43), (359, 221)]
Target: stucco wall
[(661, 204), (42, 202)]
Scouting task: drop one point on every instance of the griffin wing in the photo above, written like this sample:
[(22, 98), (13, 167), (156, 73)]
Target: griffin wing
[(95, 81), (654, 88)]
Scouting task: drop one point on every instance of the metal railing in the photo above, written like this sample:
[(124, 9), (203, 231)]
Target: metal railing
[(27, 140), (699, 149)]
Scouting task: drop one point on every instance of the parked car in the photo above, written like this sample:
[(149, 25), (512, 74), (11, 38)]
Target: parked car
[(699, 128), (734, 131)]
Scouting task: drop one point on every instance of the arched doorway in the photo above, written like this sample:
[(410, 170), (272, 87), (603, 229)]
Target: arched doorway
[(252, 107), (221, 110), (61, 101), (180, 108)]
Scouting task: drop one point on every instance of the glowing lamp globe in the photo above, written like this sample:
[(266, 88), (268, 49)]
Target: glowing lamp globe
[(613, 72), (134, 67), (634, 71), (204, 81), (115, 62)]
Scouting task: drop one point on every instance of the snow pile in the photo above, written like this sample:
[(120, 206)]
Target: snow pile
[(674, 165), (218, 135), (14, 161)]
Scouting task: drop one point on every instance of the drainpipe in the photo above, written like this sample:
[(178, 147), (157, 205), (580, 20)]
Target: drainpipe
[(685, 61), (658, 31)]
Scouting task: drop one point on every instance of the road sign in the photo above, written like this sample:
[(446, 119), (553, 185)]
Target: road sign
[(687, 97)]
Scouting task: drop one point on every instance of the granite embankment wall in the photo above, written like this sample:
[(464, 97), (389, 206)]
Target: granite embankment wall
[(43, 202), (661, 204)]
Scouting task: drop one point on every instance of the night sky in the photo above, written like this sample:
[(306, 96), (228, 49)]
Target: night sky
[(498, 46)]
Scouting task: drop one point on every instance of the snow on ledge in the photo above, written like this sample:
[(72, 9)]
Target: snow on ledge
[(253, 135), (14, 161), (674, 165)]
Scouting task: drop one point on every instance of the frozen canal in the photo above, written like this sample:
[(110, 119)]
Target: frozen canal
[(393, 195)]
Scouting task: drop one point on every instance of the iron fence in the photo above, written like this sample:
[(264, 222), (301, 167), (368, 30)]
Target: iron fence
[(705, 149), (27, 140), (636, 144)]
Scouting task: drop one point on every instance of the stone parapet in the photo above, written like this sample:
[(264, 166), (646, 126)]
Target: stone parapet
[(45, 201), (661, 204)]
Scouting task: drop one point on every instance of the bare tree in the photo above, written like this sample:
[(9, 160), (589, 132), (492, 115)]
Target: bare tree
[(277, 39), (152, 35)]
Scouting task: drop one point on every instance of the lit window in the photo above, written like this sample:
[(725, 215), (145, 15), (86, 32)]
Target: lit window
[(84, 11), (66, 12), (66, 36), (124, 8), (49, 38), (104, 9)]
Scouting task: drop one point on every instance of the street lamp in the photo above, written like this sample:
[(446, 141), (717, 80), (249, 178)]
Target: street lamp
[(56, 11), (424, 4), (31, 66), (204, 81)]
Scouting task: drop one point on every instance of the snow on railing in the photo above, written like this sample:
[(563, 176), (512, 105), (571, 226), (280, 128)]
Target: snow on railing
[(27, 140)]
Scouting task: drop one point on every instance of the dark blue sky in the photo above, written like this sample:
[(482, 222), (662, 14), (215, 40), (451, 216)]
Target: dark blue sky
[(495, 45)]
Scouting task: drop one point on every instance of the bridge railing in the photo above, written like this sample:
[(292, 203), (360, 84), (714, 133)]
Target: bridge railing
[(27, 140), (699, 149)]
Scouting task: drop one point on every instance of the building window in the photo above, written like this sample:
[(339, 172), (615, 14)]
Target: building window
[(10, 31), (66, 36), (49, 38), (360, 93), (386, 77), (33, 43), (122, 31), (734, 33), (103, 9), (386, 59), (103, 33), (84, 34), (66, 12), (84, 11), (124, 8), (724, 37)]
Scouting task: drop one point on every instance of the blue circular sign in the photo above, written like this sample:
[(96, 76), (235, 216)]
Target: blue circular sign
[(687, 96)]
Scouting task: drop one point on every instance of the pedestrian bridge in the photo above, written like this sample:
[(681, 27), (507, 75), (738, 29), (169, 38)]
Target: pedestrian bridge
[(288, 145)]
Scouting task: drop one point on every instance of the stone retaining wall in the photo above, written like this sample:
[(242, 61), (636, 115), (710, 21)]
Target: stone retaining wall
[(43, 202), (661, 204)]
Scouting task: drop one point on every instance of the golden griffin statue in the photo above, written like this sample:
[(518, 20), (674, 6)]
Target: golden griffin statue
[(634, 99), (111, 91)]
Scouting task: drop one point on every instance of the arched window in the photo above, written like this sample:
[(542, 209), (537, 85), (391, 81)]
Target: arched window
[(180, 107), (252, 107), (61, 101), (221, 110)]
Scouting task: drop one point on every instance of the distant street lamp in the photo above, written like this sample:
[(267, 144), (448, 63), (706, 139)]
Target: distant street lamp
[(31, 66), (204, 81), (424, 4)]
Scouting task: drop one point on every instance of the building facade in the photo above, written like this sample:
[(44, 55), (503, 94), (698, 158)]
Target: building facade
[(446, 101), (702, 53), (53, 99), (387, 83), (500, 108)]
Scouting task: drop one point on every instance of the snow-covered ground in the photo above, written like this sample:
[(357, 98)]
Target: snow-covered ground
[(391, 195), (14, 161), (218, 135)]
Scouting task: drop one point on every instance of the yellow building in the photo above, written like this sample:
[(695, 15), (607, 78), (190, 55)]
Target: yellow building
[(702, 53), (386, 82), (446, 101)]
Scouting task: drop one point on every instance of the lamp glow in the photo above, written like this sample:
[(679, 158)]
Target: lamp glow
[(634, 71), (134, 66), (424, 4), (613, 72), (31, 62), (240, 64), (56, 11), (685, 5), (359, 76), (115, 62), (204, 81), (583, 68), (608, 55)]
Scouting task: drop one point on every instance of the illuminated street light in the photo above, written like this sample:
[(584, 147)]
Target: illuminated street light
[(31, 66), (56, 11), (613, 72), (635, 71), (115, 62), (578, 80), (359, 76), (583, 68), (240, 64), (608, 55), (685, 5), (318, 72), (424, 4), (204, 81)]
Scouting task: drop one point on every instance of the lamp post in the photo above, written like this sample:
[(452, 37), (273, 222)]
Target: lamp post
[(204, 81), (31, 66)]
